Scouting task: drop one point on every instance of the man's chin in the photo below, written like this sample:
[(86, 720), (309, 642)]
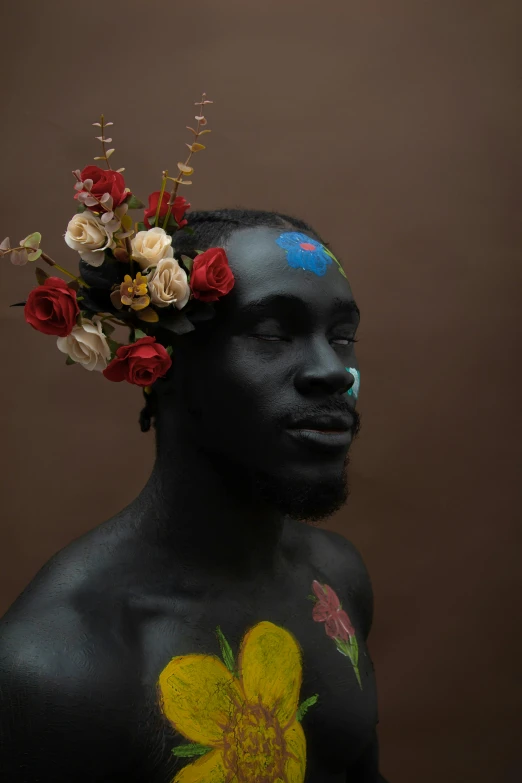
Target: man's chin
[(306, 493), (311, 499)]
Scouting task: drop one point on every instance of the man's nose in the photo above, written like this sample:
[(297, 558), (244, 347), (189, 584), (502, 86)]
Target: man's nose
[(323, 371)]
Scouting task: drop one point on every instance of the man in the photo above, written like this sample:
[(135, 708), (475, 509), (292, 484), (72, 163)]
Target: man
[(206, 633)]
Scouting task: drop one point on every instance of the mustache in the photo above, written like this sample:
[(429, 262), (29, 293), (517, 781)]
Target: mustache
[(334, 407)]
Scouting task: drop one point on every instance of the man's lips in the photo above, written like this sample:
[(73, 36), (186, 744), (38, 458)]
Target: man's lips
[(324, 423), (330, 433)]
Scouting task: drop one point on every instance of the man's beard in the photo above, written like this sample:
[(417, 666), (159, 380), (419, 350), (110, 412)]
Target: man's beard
[(295, 497), (303, 499)]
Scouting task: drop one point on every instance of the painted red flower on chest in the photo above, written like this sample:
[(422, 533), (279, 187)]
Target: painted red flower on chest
[(338, 626), (328, 610)]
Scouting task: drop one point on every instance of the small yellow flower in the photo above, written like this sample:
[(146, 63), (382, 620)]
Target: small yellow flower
[(249, 720), (132, 293)]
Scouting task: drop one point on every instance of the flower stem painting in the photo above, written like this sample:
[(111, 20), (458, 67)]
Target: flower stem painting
[(242, 719), (338, 626)]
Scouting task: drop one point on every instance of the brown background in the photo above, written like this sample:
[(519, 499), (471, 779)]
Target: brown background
[(394, 127)]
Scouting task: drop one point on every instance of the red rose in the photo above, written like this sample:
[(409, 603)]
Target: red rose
[(140, 363), (105, 181), (52, 308), (179, 208), (211, 275)]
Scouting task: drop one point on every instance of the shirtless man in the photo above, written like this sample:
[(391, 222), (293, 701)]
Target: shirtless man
[(206, 633)]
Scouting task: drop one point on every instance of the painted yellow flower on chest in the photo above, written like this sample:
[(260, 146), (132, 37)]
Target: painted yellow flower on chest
[(244, 720)]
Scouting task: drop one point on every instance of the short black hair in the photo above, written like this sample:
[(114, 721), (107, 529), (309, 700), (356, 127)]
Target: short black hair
[(212, 228)]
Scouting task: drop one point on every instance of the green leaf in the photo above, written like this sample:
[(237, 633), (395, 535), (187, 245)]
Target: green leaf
[(188, 263), (305, 705), (138, 334), (34, 256), (312, 598), (354, 650), (69, 361), (143, 227), (80, 298), (18, 304), (33, 240), (81, 208), (343, 648), (169, 350), (176, 322), (41, 276), (113, 345), (190, 749), (188, 230), (133, 202), (226, 650)]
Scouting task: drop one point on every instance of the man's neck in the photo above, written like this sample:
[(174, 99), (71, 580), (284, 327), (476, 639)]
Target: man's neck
[(205, 517)]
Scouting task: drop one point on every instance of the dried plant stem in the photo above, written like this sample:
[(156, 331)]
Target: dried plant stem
[(178, 181), (162, 191), (112, 320), (49, 260), (102, 123), (128, 248)]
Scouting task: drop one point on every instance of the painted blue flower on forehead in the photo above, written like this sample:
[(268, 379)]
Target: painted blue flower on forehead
[(303, 252)]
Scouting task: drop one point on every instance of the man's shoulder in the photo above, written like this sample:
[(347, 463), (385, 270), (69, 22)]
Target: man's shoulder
[(63, 689), (51, 628)]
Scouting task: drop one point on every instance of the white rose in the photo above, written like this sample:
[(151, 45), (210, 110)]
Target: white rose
[(150, 247), (87, 345), (168, 284), (89, 236)]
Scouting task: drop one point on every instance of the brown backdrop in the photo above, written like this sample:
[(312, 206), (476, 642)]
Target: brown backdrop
[(394, 127)]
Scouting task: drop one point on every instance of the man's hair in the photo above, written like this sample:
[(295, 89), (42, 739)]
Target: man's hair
[(212, 229)]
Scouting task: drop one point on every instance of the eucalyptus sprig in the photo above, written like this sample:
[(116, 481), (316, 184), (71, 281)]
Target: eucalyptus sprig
[(106, 153), (29, 250), (184, 168)]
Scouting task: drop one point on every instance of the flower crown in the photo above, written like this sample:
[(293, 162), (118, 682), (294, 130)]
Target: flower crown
[(149, 289)]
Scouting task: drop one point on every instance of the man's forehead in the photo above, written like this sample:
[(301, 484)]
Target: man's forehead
[(260, 261), (254, 245)]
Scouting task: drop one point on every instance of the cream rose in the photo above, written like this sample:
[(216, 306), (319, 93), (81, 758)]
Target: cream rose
[(87, 345), (150, 247), (89, 236), (168, 284)]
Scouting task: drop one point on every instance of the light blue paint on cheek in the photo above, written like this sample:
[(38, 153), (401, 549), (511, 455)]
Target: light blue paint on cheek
[(354, 390)]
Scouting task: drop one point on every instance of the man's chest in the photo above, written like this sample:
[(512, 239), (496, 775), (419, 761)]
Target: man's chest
[(270, 682)]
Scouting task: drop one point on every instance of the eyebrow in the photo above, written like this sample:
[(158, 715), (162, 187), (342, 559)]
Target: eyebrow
[(339, 306)]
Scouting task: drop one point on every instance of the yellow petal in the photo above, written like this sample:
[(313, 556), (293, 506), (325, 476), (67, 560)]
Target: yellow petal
[(198, 695), (141, 303), (126, 222), (270, 669), (127, 279), (148, 315), (295, 765), (207, 769)]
